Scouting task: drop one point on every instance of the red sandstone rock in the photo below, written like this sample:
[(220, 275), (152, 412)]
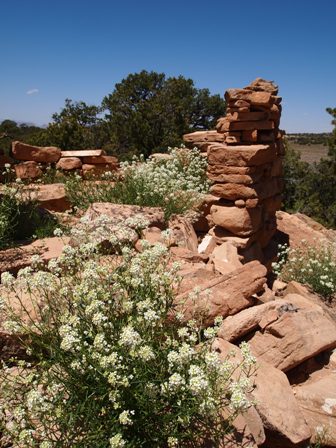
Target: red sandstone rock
[(83, 153), (47, 154), (253, 98), (183, 233), (239, 221), (224, 295), (225, 258), (282, 418), (240, 156), (27, 170), (296, 332), (50, 196), (17, 258), (98, 160), (69, 164)]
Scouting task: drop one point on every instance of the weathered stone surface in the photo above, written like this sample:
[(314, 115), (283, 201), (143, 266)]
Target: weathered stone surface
[(50, 196), (250, 125), (252, 155), (253, 98), (262, 190), (239, 221), (47, 154), (244, 179), (83, 153), (249, 116), (262, 85), (298, 227), (207, 245), (106, 160), (27, 170), (118, 213), (17, 258), (224, 295), (69, 163), (182, 253), (225, 258), (183, 233), (201, 224), (317, 400), (203, 136), (298, 331), (282, 418), (221, 236)]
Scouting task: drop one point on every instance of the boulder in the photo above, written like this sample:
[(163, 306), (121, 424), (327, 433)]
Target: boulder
[(50, 196), (69, 164), (27, 170), (42, 154), (282, 418), (182, 253), (90, 170), (298, 228), (223, 295), (207, 245), (292, 333), (239, 221), (221, 236)]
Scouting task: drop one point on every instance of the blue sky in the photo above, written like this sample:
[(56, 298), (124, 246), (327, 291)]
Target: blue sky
[(51, 50)]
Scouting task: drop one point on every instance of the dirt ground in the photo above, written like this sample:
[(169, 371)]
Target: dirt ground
[(311, 153)]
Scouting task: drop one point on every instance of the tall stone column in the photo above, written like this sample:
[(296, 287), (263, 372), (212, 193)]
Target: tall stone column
[(245, 169)]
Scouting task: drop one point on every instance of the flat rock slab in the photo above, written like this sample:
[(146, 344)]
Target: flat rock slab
[(252, 155), (317, 400), (83, 153), (42, 154), (16, 258), (222, 295), (50, 196), (293, 333), (282, 418)]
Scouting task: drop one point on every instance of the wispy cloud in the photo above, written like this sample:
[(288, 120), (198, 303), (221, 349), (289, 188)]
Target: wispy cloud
[(32, 91)]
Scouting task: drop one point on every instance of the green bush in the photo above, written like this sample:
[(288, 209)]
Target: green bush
[(21, 218), (175, 184), (110, 365), (312, 266)]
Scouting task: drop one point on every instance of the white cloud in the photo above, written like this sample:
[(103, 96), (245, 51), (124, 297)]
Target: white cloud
[(32, 91)]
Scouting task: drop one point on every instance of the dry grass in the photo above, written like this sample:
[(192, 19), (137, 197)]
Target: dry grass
[(311, 153)]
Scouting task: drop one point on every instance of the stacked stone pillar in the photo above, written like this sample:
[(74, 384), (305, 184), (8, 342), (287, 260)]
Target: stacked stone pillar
[(245, 169)]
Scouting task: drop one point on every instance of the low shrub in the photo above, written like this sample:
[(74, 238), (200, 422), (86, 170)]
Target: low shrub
[(110, 366), (176, 184), (312, 266), (21, 218)]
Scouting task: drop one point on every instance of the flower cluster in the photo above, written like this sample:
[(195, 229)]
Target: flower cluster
[(176, 183), (108, 358), (312, 266)]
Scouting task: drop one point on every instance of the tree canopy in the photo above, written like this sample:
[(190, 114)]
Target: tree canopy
[(147, 112)]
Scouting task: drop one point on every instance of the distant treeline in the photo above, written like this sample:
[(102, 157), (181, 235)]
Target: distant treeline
[(306, 138)]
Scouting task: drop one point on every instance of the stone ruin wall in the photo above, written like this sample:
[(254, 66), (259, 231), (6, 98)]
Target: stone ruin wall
[(30, 162), (245, 155)]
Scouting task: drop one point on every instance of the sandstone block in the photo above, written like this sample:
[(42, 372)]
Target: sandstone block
[(240, 156), (224, 295), (51, 197), (250, 125), (98, 160), (183, 233), (297, 331), (253, 98), (69, 163), (249, 116), (96, 170), (83, 153), (27, 170), (47, 154), (225, 258), (239, 221), (282, 418)]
